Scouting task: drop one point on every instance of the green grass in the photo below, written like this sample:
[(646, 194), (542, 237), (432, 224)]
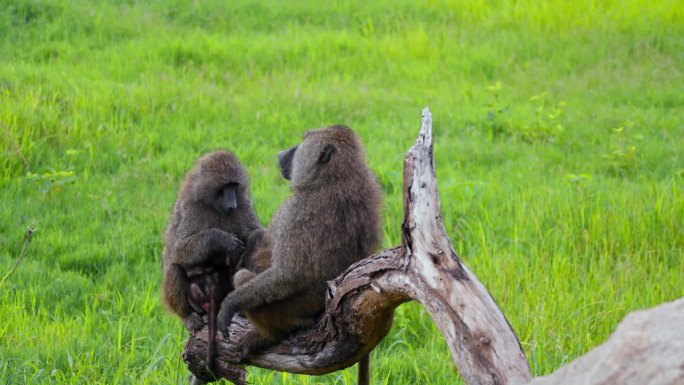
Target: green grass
[(559, 152)]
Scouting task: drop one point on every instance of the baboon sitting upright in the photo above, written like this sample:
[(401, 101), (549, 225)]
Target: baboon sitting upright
[(212, 221), (331, 221)]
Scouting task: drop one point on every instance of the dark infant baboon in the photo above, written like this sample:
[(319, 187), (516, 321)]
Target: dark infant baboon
[(208, 284), (331, 221), (213, 222)]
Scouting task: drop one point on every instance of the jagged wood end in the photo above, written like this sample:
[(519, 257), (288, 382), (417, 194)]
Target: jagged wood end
[(420, 181), (484, 347), (420, 151)]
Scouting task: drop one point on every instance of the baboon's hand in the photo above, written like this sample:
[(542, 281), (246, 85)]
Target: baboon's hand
[(234, 244), (225, 315), (193, 322), (235, 249)]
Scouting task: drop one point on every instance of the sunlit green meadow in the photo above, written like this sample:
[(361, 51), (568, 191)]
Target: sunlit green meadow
[(559, 130)]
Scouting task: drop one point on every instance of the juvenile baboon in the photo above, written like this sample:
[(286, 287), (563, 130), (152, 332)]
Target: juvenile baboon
[(213, 222), (331, 221), (208, 284)]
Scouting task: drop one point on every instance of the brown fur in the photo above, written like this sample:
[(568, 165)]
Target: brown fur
[(331, 221), (204, 240)]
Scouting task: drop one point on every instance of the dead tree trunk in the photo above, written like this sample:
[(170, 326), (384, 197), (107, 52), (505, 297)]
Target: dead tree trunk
[(361, 301)]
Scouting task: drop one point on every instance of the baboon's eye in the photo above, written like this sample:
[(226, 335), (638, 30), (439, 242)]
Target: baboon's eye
[(220, 191), (223, 190), (326, 154)]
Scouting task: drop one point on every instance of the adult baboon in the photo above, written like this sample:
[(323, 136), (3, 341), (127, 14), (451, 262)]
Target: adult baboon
[(331, 221), (212, 221)]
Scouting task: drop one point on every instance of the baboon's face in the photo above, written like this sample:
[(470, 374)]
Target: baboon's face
[(226, 198), (218, 192), (306, 163), (220, 182), (325, 155), (285, 158)]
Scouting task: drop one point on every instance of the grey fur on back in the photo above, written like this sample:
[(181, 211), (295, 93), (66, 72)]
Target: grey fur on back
[(331, 221), (334, 212)]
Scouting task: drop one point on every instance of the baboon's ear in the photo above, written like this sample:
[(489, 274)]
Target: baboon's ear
[(326, 154)]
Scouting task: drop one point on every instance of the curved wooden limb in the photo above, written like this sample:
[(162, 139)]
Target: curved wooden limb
[(361, 301), (359, 314)]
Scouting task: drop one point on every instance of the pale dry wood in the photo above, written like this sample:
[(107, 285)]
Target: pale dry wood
[(483, 345), (646, 349), (361, 301)]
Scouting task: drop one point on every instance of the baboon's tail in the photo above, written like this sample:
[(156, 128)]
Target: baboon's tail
[(364, 370)]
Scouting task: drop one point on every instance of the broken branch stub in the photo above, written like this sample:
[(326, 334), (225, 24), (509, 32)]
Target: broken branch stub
[(361, 301), (483, 345)]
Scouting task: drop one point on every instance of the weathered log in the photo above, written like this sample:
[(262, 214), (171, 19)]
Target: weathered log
[(358, 315), (361, 301), (646, 348)]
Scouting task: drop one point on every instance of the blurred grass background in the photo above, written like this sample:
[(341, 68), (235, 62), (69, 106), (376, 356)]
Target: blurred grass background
[(559, 153)]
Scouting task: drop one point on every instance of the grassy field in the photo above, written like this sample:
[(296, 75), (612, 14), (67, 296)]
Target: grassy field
[(559, 152)]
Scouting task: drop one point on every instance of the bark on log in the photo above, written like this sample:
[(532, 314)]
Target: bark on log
[(361, 301)]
